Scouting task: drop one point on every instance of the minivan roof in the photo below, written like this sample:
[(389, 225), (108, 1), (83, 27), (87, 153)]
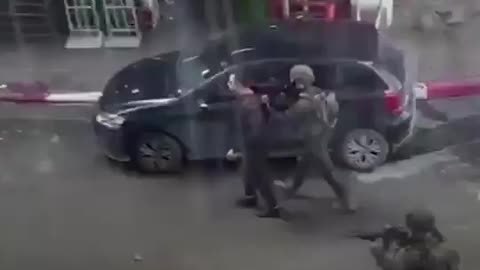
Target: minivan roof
[(296, 38)]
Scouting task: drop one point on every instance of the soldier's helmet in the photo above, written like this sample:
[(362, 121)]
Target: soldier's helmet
[(420, 221), (303, 74)]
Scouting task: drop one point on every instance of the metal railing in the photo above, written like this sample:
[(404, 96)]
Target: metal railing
[(82, 16), (122, 29)]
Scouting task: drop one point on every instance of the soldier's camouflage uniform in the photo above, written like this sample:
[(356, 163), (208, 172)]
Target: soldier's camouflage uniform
[(315, 114), (428, 252)]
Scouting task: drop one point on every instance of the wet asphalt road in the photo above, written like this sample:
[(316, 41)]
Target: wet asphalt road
[(64, 206)]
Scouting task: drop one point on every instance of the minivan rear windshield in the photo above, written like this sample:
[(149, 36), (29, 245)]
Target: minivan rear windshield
[(392, 59)]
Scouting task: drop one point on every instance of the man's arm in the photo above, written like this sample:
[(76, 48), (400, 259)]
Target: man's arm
[(247, 97), (279, 102), (332, 103), (327, 103), (301, 106)]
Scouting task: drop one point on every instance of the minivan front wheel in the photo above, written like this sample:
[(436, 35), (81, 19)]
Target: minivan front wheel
[(157, 153), (364, 149)]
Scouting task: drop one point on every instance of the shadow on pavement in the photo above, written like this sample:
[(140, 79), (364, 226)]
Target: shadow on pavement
[(452, 133), (425, 140)]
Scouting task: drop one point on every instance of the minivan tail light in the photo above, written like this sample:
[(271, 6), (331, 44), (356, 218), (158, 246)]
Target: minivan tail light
[(394, 102)]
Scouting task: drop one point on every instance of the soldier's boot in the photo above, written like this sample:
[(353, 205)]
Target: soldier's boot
[(290, 187), (346, 203), (342, 190), (269, 213)]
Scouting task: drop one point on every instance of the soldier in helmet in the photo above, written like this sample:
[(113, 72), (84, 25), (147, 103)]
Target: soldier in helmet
[(315, 111), (425, 251)]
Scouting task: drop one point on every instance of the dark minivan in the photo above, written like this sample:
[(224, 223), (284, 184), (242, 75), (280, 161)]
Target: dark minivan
[(161, 111)]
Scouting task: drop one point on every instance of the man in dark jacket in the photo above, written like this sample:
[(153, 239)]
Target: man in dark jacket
[(256, 177)]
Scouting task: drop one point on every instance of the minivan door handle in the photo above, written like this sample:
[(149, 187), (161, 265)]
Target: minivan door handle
[(203, 106)]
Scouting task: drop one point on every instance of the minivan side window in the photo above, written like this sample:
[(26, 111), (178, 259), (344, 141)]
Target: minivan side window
[(216, 91), (325, 75), (264, 73), (360, 77)]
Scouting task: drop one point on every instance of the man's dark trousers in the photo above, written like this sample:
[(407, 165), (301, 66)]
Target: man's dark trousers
[(256, 176), (316, 155)]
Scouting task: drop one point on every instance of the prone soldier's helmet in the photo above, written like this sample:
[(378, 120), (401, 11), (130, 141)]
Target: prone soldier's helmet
[(420, 221), (302, 76)]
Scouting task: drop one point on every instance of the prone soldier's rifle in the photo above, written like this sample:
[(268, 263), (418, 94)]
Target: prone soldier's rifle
[(398, 234), (388, 235)]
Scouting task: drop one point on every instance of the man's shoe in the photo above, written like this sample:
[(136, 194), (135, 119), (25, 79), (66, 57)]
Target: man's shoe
[(247, 202), (269, 213)]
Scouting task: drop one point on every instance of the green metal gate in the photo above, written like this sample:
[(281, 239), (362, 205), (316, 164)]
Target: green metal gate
[(121, 23), (84, 24)]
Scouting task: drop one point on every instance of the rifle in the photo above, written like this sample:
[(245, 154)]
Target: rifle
[(388, 235)]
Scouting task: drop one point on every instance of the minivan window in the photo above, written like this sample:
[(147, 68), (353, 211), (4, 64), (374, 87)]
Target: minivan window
[(216, 91), (191, 72), (358, 76), (325, 75)]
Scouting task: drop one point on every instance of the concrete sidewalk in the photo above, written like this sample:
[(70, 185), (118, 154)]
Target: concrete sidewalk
[(79, 70), (443, 53)]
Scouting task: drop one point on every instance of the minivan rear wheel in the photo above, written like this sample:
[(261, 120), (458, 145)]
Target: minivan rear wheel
[(157, 153), (364, 149)]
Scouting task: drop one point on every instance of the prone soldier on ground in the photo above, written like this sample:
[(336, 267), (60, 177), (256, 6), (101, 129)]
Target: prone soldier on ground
[(418, 246)]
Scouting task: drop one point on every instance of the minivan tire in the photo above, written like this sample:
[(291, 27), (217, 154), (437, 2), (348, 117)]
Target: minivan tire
[(157, 153), (363, 149)]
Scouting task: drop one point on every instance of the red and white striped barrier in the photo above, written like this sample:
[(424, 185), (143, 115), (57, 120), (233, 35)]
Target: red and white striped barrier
[(38, 92)]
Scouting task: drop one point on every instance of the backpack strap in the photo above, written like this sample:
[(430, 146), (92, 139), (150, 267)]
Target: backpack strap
[(326, 107)]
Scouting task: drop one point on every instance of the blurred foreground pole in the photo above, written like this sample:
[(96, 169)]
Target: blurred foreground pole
[(251, 11), (39, 92), (432, 14)]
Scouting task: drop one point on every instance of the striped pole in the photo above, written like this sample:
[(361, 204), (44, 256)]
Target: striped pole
[(447, 89), (38, 92)]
